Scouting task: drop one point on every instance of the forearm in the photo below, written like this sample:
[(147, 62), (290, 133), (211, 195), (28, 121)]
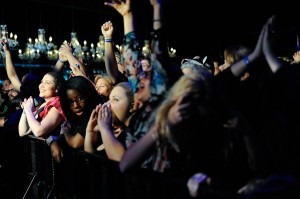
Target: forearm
[(157, 17), (138, 150), (74, 141), (75, 63), (32, 123), (242, 66), (11, 71), (90, 141), (23, 126), (274, 63), (110, 61), (128, 22), (113, 147), (59, 66)]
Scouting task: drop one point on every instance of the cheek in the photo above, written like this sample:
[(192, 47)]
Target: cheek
[(104, 90), (72, 109), (82, 105), (120, 110)]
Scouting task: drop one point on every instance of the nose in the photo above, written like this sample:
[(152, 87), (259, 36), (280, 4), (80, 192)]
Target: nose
[(76, 104)]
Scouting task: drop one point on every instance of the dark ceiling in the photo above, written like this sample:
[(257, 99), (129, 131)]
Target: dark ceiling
[(194, 27)]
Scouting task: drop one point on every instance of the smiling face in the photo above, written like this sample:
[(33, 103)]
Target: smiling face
[(76, 102), (11, 92), (47, 87), (145, 65)]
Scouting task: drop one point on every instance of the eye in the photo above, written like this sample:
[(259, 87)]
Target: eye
[(80, 98), (71, 103), (115, 99)]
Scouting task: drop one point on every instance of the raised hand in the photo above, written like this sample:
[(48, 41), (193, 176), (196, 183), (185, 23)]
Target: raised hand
[(92, 126), (296, 57), (123, 7), (28, 104), (107, 29), (65, 50), (155, 2), (4, 43), (180, 110), (104, 117), (274, 63)]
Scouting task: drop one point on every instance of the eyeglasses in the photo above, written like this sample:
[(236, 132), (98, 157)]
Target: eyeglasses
[(11, 90), (79, 100)]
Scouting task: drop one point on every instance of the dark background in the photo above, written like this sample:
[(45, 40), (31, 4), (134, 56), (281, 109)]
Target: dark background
[(194, 27)]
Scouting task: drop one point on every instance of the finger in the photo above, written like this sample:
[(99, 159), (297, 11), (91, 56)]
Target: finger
[(109, 4), (180, 99), (93, 114)]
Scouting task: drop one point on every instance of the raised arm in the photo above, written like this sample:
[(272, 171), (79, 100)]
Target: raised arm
[(124, 9), (110, 61), (131, 47), (241, 66), (9, 66), (274, 63), (78, 69), (59, 66), (158, 18)]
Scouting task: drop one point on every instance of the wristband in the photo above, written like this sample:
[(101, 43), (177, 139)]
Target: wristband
[(107, 40), (62, 61), (51, 139), (246, 60)]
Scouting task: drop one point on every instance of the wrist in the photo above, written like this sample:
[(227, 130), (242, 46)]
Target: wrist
[(246, 59), (108, 40), (51, 139), (61, 61)]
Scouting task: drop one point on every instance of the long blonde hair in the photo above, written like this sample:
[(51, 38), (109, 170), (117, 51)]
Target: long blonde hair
[(193, 85)]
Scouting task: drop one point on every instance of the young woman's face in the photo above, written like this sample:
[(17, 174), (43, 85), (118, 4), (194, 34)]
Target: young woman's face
[(120, 103), (143, 93), (47, 87), (145, 65), (102, 87), (76, 102)]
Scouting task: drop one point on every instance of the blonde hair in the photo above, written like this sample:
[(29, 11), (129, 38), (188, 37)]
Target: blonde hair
[(235, 53), (194, 85), (107, 79)]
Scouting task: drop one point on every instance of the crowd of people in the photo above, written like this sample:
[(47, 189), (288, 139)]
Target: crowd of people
[(229, 127)]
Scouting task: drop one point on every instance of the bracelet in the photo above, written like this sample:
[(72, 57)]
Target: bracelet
[(246, 60), (62, 61), (108, 40), (154, 20), (51, 139)]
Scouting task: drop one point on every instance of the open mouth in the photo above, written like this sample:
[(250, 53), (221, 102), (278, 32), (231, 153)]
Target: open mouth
[(79, 113)]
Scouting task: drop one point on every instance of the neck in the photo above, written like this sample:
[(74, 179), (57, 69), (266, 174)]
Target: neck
[(128, 120), (48, 99)]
